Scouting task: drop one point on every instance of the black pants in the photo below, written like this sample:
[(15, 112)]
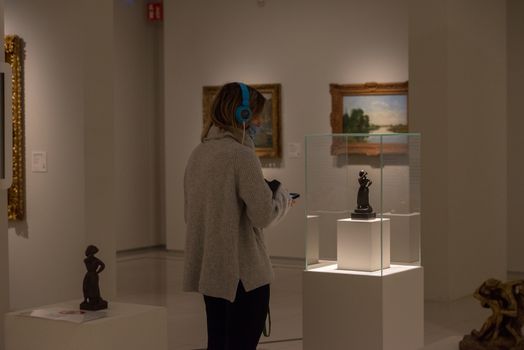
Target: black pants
[(237, 325)]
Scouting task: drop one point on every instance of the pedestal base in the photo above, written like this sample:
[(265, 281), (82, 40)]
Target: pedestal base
[(101, 305), (363, 311), (363, 244), (126, 327), (363, 215)]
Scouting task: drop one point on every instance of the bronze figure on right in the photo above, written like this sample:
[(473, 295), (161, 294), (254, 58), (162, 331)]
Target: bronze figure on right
[(364, 209), (503, 328)]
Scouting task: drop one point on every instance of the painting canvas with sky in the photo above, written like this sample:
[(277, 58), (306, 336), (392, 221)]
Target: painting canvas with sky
[(375, 114)]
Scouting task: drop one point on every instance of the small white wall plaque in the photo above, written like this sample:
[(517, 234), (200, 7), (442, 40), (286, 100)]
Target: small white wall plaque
[(294, 149), (39, 162)]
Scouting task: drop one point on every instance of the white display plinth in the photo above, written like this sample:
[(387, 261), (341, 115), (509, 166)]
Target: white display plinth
[(405, 236), (363, 244), (313, 225), (345, 310), (126, 327)]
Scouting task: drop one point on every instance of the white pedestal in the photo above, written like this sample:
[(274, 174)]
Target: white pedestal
[(363, 245), (405, 237), (312, 239), (364, 311), (127, 327)]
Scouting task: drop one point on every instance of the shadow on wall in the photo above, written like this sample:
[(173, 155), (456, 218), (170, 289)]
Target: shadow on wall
[(19, 228)]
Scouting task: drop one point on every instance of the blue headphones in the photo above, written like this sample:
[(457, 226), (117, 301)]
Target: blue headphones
[(243, 112)]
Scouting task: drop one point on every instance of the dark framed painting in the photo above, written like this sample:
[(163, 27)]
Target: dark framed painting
[(267, 139), (368, 109), (15, 55)]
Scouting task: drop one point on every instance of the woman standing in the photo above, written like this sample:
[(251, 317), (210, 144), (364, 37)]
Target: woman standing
[(227, 204)]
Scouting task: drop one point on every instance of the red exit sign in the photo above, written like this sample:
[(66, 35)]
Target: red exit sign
[(155, 11)]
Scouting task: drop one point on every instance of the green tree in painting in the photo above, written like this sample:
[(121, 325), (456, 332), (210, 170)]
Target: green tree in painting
[(357, 122)]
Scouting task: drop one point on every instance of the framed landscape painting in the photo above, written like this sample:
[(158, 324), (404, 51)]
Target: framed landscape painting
[(267, 139), (14, 47), (367, 109)]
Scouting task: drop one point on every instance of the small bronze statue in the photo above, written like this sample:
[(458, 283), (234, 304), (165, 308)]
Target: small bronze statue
[(364, 209), (503, 329), (92, 299)]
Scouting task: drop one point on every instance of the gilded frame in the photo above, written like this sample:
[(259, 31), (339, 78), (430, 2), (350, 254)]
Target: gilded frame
[(14, 55), (338, 92), (268, 90)]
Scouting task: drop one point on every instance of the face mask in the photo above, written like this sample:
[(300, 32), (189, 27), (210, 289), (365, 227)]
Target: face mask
[(252, 130)]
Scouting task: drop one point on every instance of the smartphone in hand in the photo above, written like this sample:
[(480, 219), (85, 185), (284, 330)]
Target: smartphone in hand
[(294, 195)]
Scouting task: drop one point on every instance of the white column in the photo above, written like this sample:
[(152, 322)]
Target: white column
[(458, 102), (364, 310), (99, 137)]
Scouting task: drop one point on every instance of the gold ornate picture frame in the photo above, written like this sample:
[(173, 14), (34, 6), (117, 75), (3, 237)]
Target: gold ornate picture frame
[(14, 56), (370, 108), (267, 140)]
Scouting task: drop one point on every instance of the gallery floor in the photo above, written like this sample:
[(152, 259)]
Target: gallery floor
[(154, 277)]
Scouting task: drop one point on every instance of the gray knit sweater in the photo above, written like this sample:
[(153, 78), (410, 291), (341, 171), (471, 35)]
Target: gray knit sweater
[(227, 203)]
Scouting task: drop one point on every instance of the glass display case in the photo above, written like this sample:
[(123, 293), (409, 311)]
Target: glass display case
[(363, 203)]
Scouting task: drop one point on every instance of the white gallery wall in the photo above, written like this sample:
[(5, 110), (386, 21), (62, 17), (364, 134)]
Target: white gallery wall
[(302, 45), (68, 72), (137, 130), (515, 126), (97, 64), (43, 247), (98, 122), (458, 96)]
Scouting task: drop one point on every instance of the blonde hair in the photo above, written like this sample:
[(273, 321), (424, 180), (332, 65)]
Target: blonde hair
[(224, 106)]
